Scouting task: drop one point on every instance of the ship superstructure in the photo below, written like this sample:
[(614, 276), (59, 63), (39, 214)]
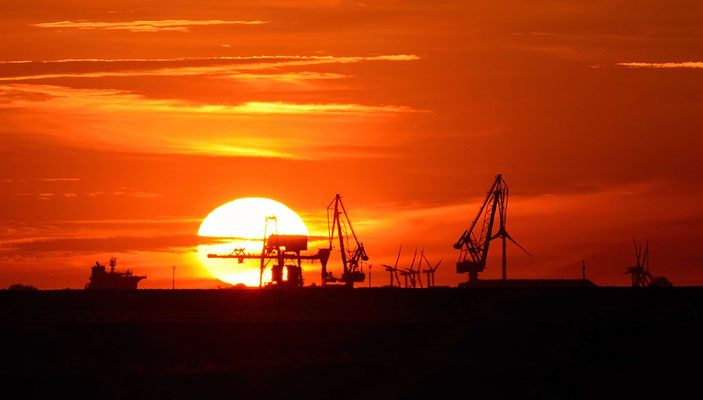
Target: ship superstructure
[(100, 278)]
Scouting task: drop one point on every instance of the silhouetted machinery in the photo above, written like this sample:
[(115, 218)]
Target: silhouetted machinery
[(285, 252), (641, 276), (352, 251), (475, 241)]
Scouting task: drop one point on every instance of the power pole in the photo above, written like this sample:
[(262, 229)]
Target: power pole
[(173, 277), (583, 270)]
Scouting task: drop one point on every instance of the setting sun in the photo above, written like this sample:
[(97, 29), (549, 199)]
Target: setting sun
[(241, 224)]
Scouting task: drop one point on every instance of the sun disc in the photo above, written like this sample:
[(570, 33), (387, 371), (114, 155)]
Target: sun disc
[(241, 224)]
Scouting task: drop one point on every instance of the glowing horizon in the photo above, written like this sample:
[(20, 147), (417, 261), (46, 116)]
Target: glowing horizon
[(124, 126)]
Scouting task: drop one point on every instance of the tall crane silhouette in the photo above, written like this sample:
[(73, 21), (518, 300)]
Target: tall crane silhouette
[(474, 242), (351, 249)]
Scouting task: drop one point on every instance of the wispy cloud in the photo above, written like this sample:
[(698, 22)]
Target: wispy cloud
[(119, 119), (341, 59), (112, 100), (41, 180), (125, 193), (240, 126), (139, 195), (688, 64), (40, 196), (230, 67), (179, 25), (154, 221), (253, 107), (113, 244), (57, 179), (291, 77)]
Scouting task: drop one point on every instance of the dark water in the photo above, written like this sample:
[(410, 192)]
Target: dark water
[(365, 343)]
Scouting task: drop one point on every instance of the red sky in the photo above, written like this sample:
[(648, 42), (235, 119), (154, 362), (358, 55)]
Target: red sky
[(124, 123)]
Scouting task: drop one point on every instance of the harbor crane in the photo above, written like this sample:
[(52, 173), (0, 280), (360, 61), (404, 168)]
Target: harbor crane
[(474, 242), (284, 251), (351, 249)]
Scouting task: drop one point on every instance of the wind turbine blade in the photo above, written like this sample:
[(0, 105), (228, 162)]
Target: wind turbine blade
[(398, 258), (428, 263), (638, 250), (419, 262), (517, 244)]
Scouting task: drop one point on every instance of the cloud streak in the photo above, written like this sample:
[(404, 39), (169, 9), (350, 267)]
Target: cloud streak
[(178, 25), (239, 125), (111, 100), (119, 119), (118, 244), (393, 57), (231, 68), (57, 179), (666, 65)]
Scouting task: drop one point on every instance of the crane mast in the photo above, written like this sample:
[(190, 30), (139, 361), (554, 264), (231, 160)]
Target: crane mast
[(352, 253)]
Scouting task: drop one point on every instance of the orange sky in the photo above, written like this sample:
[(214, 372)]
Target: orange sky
[(125, 123)]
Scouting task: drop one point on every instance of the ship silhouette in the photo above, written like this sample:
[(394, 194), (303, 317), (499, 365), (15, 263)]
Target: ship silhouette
[(102, 279)]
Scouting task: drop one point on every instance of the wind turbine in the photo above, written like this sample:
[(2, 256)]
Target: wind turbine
[(410, 272), (418, 272), (393, 271), (430, 271)]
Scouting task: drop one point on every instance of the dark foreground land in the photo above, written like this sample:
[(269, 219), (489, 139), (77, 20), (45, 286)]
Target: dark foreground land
[(365, 343)]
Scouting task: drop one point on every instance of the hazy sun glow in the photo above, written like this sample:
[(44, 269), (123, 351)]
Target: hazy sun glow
[(241, 224)]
